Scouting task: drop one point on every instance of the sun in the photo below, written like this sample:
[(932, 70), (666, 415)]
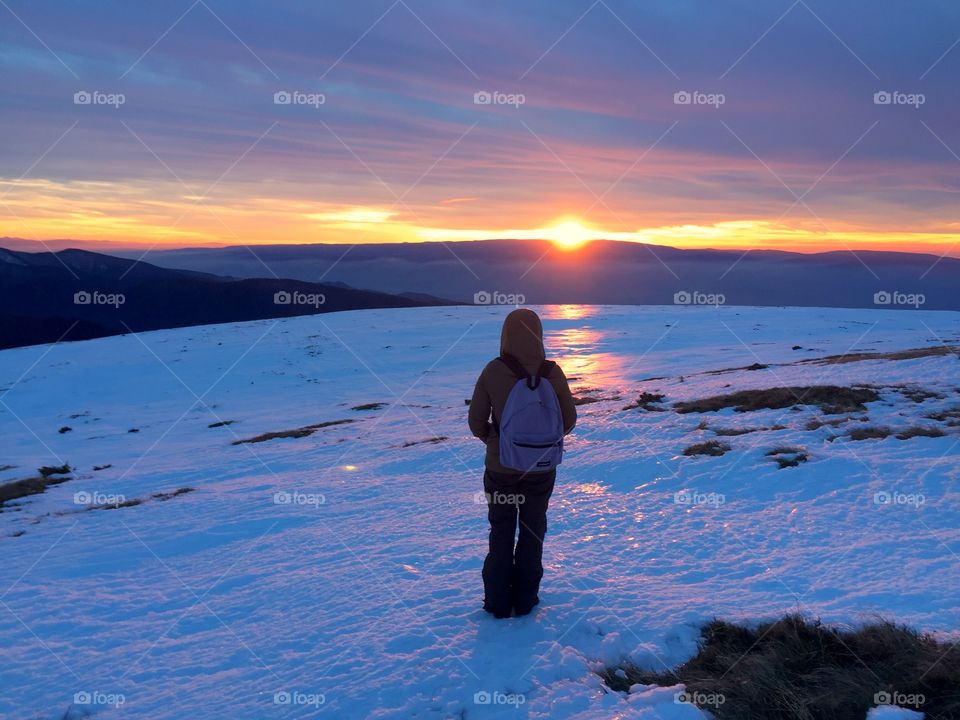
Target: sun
[(569, 234)]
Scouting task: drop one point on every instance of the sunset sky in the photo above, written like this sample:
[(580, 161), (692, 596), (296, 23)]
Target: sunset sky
[(784, 144)]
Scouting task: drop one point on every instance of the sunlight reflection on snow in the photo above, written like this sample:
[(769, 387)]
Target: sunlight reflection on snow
[(569, 312)]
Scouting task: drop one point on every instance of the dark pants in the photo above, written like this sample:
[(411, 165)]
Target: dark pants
[(512, 573)]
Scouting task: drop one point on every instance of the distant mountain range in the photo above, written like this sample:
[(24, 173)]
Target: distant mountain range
[(77, 295), (603, 272)]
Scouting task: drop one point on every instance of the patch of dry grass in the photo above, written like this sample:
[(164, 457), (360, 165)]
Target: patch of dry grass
[(831, 399), (786, 456), (369, 406), (951, 416), (919, 431), (28, 486), (796, 669), (295, 433), (734, 432), (912, 354), (714, 448), (647, 401), (433, 441), (873, 432)]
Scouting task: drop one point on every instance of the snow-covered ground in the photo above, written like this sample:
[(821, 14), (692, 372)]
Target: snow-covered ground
[(356, 591)]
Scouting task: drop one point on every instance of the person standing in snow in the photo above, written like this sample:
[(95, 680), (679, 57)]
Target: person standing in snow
[(521, 409)]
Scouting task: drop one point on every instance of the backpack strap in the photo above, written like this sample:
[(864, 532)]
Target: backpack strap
[(516, 367), (546, 367)]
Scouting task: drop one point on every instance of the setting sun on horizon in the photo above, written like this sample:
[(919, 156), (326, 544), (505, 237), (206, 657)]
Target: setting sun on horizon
[(154, 215), (570, 234)]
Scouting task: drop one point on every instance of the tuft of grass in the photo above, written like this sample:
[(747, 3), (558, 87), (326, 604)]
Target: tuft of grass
[(65, 429), (647, 401), (433, 440), (48, 470), (161, 496), (799, 669), (786, 456), (912, 354), (920, 432), (295, 433), (818, 423), (28, 486), (726, 371), (133, 502), (919, 394), (951, 416), (222, 423), (585, 400), (714, 448), (831, 399), (869, 433), (369, 406)]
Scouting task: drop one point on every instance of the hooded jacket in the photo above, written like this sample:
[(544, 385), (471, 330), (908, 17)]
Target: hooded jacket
[(522, 338)]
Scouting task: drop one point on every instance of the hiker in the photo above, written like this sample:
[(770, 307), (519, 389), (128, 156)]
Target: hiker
[(521, 409)]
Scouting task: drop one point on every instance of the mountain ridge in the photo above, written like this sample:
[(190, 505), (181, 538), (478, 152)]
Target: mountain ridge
[(79, 295)]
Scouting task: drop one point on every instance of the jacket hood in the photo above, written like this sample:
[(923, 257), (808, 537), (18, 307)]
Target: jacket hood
[(522, 338)]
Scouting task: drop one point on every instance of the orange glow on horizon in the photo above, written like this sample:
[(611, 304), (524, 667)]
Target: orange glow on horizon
[(151, 214)]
